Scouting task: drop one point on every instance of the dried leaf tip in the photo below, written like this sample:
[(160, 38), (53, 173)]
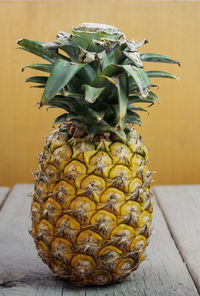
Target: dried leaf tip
[(19, 40), (52, 45)]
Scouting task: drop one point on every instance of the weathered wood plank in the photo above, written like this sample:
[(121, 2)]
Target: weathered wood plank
[(3, 194), (181, 207), (21, 269)]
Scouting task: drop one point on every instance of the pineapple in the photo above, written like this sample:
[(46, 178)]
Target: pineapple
[(92, 203)]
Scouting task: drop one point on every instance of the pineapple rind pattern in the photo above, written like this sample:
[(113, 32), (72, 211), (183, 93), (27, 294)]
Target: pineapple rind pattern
[(92, 207)]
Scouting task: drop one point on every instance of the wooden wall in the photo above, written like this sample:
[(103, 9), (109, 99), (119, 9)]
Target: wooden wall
[(170, 130)]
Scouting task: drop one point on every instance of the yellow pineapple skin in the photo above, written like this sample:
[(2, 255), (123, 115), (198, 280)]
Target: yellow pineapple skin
[(92, 207)]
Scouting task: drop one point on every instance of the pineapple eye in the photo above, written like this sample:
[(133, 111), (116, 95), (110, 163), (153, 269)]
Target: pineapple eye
[(120, 177), (74, 172), (125, 266), (92, 186), (121, 154), (82, 208), (83, 263), (62, 249)]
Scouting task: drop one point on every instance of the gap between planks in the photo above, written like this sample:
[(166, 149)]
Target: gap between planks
[(4, 192), (180, 206)]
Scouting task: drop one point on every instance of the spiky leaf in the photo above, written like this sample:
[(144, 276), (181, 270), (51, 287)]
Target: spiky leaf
[(122, 90), (92, 93), (38, 86), (136, 108), (154, 57), (133, 117), (87, 74), (153, 97), (137, 99), (120, 83), (98, 79), (160, 74), (112, 70), (61, 118), (140, 78), (37, 79), (38, 49), (40, 67), (63, 71)]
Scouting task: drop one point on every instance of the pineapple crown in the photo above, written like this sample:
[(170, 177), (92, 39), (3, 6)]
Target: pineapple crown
[(96, 76)]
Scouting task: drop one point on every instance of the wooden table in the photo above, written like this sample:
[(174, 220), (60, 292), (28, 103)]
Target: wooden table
[(173, 267)]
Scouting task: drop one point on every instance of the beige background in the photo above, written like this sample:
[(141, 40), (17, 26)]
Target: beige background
[(171, 130)]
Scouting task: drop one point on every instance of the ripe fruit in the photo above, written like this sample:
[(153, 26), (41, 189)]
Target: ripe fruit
[(92, 205)]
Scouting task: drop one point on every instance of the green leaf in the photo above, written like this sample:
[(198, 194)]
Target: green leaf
[(153, 97), (137, 99), (63, 103), (140, 78), (160, 74), (133, 114), (153, 57), (105, 107), (41, 67), (132, 86), (68, 117), (92, 93), (133, 120), (136, 108), (115, 56), (71, 50), (105, 61), (77, 107), (110, 87), (79, 41), (133, 117), (102, 126), (63, 71), (61, 118), (155, 85), (73, 94), (122, 90), (112, 70), (121, 134), (87, 74), (38, 86), (37, 79), (75, 85), (90, 116), (120, 82), (101, 78), (68, 46), (38, 49), (72, 105), (126, 62)]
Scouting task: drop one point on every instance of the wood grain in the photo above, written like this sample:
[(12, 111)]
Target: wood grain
[(23, 273), (171, 131), (181, 207), (3, 194)]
